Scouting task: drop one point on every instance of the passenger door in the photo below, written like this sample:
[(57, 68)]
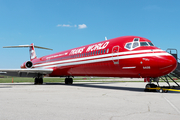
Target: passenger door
[(115, 51)]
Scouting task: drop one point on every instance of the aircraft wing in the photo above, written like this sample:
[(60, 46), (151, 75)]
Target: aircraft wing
[(25, 72)]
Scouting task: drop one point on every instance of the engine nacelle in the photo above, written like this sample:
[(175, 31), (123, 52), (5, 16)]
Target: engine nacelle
[(27, 64)]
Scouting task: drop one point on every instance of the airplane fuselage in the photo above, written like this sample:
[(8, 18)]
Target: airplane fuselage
[(128, 56)]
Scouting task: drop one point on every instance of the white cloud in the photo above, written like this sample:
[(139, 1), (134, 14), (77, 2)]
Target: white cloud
[(82, 26), (64, 25), (152, 7)]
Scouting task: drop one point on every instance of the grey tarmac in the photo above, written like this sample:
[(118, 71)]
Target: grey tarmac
[(86, 101)]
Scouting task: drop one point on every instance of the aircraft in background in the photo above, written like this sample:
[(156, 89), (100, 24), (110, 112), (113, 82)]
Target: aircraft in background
[(127, 56)]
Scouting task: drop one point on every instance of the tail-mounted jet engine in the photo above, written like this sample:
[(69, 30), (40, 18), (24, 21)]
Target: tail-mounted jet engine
[(29, 64)]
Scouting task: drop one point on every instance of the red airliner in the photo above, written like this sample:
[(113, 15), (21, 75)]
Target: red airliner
[(127, 56)]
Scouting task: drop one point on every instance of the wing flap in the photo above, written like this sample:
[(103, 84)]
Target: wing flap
[(25, 72)]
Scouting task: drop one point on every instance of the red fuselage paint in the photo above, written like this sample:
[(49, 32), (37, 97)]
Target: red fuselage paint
[(128, 56)]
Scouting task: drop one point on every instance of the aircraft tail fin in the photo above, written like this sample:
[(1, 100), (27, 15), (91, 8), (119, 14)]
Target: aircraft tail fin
[(32, 52), (31, 49)]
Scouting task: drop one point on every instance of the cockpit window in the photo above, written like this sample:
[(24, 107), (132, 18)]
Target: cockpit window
[(144, 44), (135, 44), (136, 39), (150, 43), (128, 45)]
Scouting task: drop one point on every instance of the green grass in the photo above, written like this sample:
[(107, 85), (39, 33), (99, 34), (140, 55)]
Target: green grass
[(58, 80), (16, 80), (47, 80)]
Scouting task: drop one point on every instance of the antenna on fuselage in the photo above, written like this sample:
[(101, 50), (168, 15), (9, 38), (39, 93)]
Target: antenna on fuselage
[(105, 38)]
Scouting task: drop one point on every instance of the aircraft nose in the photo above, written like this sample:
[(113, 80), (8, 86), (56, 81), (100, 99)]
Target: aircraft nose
[(167, 64)]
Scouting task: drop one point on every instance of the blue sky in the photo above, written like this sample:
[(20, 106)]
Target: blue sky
[(65, 24)]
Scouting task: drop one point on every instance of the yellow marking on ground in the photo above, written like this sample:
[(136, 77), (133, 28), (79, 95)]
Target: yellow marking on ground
[(158, 88)]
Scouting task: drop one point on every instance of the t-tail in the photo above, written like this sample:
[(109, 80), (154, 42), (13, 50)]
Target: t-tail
[(32, 52), (31, 49)]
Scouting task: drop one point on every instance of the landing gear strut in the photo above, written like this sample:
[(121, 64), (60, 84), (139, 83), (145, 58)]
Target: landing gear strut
[(68, 81)]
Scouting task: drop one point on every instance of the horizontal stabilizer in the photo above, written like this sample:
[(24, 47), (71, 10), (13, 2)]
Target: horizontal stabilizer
[(23, 46)]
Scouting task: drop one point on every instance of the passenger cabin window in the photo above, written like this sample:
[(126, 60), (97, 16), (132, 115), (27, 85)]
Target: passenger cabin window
[(107, 50)]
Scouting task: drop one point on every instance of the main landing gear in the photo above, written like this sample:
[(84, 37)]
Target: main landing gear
[(38, 81), (68, 81)]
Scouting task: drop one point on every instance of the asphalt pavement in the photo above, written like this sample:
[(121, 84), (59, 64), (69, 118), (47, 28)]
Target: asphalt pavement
[(86, 101)]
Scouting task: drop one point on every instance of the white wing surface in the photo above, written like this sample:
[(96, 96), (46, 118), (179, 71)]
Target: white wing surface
[(25, 72)]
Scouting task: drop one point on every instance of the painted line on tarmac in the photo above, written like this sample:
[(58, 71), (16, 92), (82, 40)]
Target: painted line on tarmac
[(171, 104)]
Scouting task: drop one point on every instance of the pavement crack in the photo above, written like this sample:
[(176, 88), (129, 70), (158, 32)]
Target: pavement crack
[(148, 108), (128, 114)]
